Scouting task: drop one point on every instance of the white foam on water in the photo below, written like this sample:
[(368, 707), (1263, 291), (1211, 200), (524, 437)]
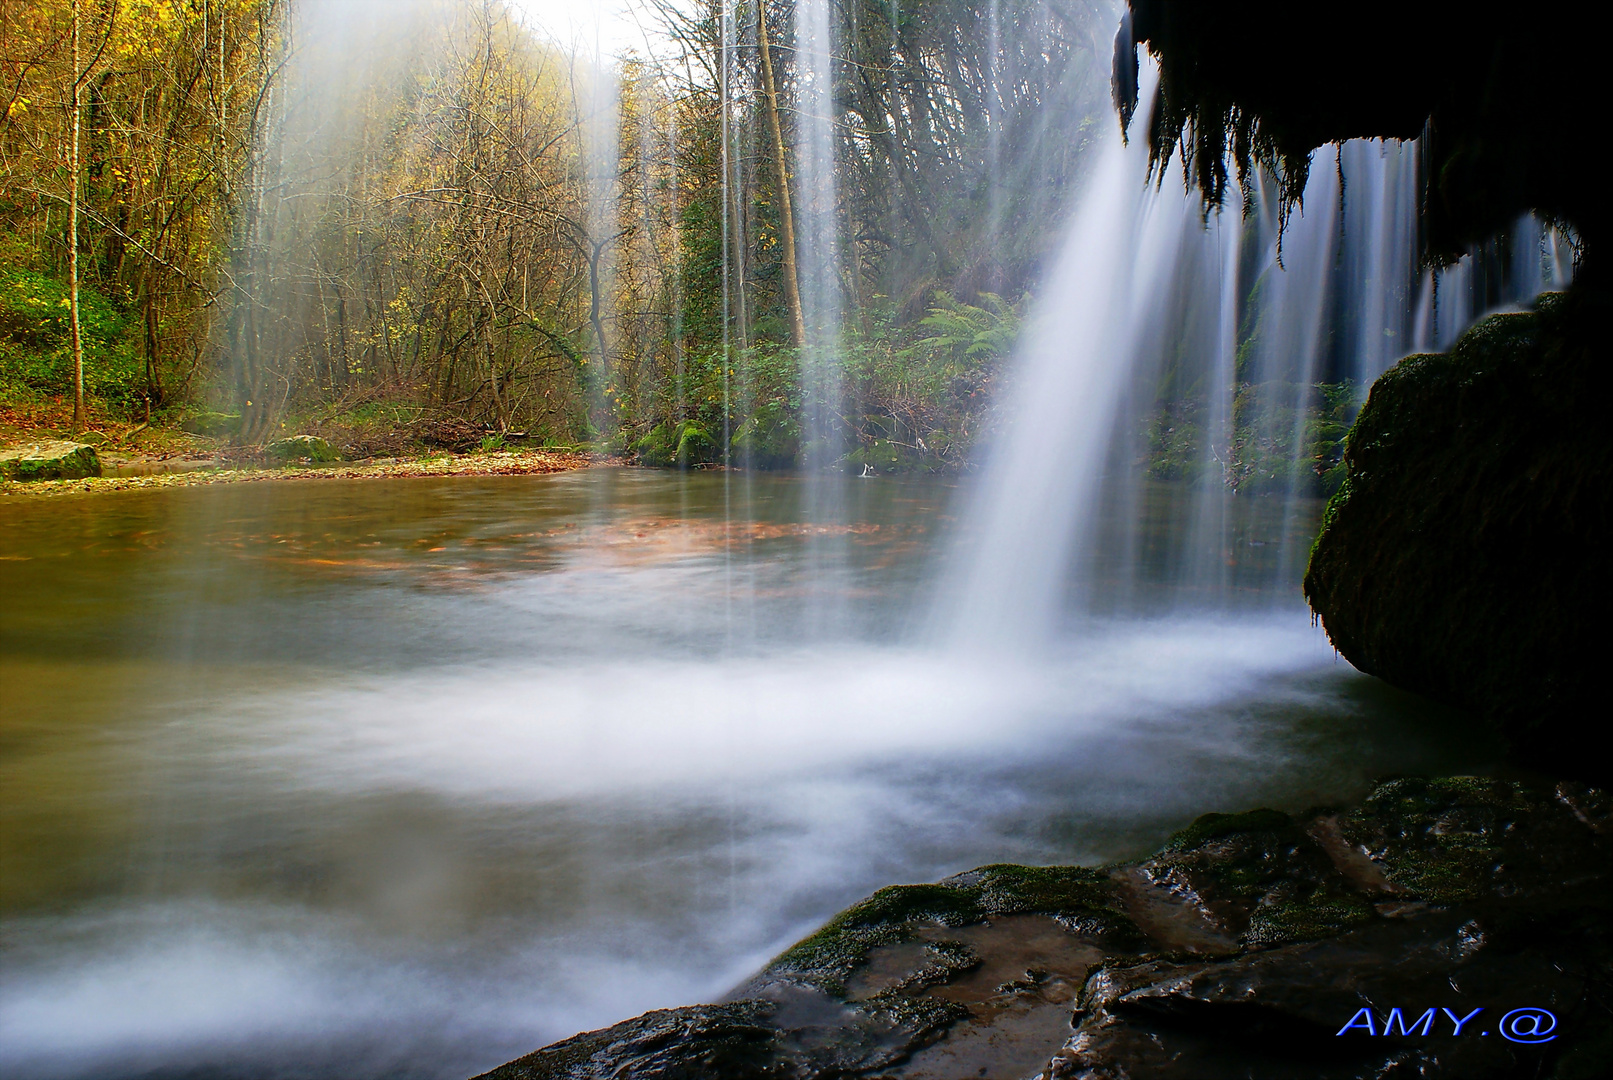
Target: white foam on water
[(723, 808), (589, 728), (198, 982)]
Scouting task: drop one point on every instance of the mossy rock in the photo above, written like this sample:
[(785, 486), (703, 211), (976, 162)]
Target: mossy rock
[(1462, 839), (695, 447), (770, 438), (1261, 878), (1469, 886), (1210, 826), (54, 460), (1464, 555), (655, 446), (302, 448), (1084, 900), (880, 455), (681, 445), (211, 423)]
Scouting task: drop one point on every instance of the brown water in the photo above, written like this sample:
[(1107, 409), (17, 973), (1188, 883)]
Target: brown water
[(404, 778)]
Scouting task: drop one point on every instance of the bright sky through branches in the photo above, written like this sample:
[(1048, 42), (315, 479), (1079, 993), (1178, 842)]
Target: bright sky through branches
[(610, 26)]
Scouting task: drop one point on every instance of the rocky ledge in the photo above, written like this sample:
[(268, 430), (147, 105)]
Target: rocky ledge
[(1455, 928), (52, 459)]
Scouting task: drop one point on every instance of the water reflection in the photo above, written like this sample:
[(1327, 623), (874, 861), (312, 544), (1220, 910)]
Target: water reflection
[(406, 778)]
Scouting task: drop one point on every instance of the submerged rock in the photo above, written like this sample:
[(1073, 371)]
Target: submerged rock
[(302, 448), (51, 460), (1247, 947), (1465, 554)]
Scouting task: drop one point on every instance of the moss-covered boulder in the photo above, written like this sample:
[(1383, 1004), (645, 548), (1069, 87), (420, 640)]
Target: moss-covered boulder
[(302, 448), (1465, 555), (1261, 877), (206, 422), (770, 438), (53, 460), (679, 445)]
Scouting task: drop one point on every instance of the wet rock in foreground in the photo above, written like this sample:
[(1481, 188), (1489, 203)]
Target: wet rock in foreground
[(1241, 949), (698, 1041)]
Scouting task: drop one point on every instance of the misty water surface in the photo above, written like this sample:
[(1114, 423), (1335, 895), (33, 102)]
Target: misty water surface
[(405, 778)]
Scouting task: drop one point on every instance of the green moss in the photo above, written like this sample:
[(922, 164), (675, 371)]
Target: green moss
[(204, 422), (827, 957), (1318, 913), (770, 438), (1082, 899), (1462, 556), (1261, 876), (910, 1010), (655, 446), (680, 445), (1211, 826), (302, 448), (695, 446), (50, 461), (1441, 839)]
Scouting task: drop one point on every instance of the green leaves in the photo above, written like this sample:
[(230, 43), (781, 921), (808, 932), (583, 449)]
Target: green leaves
[(964, 331), (35, 352)]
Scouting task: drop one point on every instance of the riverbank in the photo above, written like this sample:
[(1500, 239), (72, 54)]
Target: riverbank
[(164, 454), (1253, 944), (134, 472)]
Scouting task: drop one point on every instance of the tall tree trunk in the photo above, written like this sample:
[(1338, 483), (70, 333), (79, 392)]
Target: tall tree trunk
[(148, 305), (733, 192), (595, 317), (792, 284), (72, 241), (857, 294), (597, 321)]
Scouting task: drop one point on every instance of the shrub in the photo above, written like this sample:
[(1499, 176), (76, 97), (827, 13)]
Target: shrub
[(36, 351)]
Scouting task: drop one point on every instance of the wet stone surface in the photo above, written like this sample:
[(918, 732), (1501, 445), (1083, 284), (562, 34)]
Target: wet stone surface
[(1339, 943)]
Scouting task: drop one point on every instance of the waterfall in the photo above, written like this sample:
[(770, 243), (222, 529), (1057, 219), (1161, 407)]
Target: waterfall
[(1118, 251), (817, 229), (1184, 381), (818, 266)]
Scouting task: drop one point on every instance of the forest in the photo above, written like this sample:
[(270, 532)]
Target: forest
[(249, 217)]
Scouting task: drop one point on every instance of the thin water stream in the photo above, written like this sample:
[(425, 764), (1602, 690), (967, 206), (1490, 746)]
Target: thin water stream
[(405, 778)]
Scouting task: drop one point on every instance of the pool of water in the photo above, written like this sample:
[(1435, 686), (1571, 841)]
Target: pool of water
[(405, 778)]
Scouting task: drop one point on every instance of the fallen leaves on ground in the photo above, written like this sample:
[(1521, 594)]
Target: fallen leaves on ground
[(498, 463)]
